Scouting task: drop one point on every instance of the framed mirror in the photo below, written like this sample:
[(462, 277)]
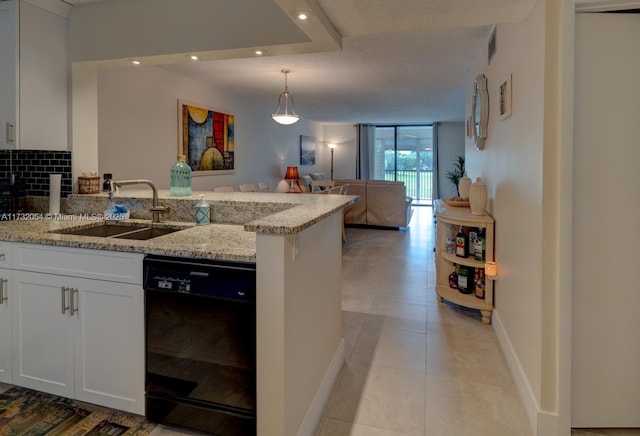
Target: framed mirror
[(480, 111)]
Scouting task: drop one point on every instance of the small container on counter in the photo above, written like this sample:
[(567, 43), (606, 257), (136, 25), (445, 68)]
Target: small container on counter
[(203, 212), (89, 183)]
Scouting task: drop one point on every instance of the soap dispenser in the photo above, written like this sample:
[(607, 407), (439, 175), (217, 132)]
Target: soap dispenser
[(202, 212)]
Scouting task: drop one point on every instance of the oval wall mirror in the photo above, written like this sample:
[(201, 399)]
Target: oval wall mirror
[(480, 111)]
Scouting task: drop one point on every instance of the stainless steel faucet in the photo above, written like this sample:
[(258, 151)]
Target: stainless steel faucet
[(156, 209)]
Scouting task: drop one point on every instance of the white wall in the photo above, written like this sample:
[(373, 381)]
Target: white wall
[(137, 129), (299, 338), (512, 167), (344, 155), (451, 143)]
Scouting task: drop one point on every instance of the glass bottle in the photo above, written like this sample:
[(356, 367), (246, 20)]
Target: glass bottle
[(462, 243), (479, 283), (453, 278), (180, 178), (466, 275)]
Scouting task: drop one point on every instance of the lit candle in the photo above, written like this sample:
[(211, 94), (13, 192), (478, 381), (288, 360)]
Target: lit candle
[(491, 270)]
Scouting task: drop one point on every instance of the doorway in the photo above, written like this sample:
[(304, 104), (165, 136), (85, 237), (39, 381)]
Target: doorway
[(405, 154)]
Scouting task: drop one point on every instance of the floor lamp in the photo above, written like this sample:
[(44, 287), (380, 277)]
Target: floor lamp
[(332, 147)]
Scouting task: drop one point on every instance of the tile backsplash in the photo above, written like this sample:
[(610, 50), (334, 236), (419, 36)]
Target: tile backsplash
[(33, 167)]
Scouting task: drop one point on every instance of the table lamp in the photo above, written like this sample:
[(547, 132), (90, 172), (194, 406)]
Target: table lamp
[(291, 174)]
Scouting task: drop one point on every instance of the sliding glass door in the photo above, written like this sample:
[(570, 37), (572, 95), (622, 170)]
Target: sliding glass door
[(405, 153)]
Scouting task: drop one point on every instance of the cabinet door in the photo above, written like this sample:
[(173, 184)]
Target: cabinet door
[(43, 79), (109, 344), (9, 74), (6, 300), (42, 333)]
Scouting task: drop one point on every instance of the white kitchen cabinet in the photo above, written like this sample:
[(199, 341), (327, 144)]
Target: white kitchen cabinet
[(79, 337), (9, 73), (33, 67), (43, 335), (6, 300), (109, 344), (449, 220)]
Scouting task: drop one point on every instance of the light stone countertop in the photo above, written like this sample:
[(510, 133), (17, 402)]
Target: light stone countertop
[(232, 239)]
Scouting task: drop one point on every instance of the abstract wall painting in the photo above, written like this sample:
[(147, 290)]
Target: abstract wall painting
[(206, 137)]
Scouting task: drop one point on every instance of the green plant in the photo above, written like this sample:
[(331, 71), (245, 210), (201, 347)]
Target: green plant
[(457, 172)]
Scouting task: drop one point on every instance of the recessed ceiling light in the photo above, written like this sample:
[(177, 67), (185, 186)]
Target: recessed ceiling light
[(135, 62), (259, 52), (193, 57), (302, 15)]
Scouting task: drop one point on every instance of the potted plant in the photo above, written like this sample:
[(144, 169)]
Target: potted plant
[(457, 172)]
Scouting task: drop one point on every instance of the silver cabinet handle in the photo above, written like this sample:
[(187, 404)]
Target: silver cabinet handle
[(9, 132), (63, 292), (74, 307), (3, 287)]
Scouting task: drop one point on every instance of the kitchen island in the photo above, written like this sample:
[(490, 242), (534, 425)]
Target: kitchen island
[(295, 241)]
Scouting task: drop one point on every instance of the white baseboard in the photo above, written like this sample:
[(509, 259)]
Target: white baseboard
[(542, 423), (314, 413)]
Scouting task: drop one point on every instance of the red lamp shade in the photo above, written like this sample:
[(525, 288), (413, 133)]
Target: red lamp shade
[(292, 173)]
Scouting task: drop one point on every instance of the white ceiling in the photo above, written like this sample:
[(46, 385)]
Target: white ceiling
[(402, 61)]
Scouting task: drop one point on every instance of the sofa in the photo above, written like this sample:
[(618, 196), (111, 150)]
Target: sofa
[(382, 203), (306, 180)]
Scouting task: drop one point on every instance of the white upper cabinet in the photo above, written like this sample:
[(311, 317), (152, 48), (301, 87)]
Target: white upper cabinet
[(9, 73), (33, 99)]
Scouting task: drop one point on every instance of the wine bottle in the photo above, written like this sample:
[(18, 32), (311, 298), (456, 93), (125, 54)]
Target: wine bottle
[(453, 278), (479, 283), (462, 244), (465, 279)]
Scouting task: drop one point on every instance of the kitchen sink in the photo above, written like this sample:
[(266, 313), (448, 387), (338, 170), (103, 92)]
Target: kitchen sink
[(147, 233), (138, 231)]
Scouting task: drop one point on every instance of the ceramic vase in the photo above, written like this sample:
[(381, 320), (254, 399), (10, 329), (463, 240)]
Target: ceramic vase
[(463, 186), (478, 197)]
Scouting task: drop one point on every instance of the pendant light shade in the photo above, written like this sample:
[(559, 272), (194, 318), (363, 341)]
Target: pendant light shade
[(289, 115)]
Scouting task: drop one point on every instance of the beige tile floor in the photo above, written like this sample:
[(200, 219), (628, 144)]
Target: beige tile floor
[(413, 366)]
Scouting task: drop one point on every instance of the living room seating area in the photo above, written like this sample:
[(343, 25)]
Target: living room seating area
[(383, 203)]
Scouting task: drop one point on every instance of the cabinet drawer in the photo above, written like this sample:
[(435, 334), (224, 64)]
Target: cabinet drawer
[(78, 262)]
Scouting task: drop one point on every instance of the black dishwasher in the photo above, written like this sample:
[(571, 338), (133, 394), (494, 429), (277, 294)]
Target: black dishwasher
[(201, 344)]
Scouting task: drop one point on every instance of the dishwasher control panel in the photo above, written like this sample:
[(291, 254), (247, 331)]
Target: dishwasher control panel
[(229, 280), (172, 284)]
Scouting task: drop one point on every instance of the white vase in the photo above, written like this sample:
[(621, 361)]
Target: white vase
[(478, 197), (463, 186)]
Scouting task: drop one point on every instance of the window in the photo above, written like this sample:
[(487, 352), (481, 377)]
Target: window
[(405, 153)]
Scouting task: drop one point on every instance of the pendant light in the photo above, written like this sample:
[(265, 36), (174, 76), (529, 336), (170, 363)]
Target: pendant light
[(285, 117)]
